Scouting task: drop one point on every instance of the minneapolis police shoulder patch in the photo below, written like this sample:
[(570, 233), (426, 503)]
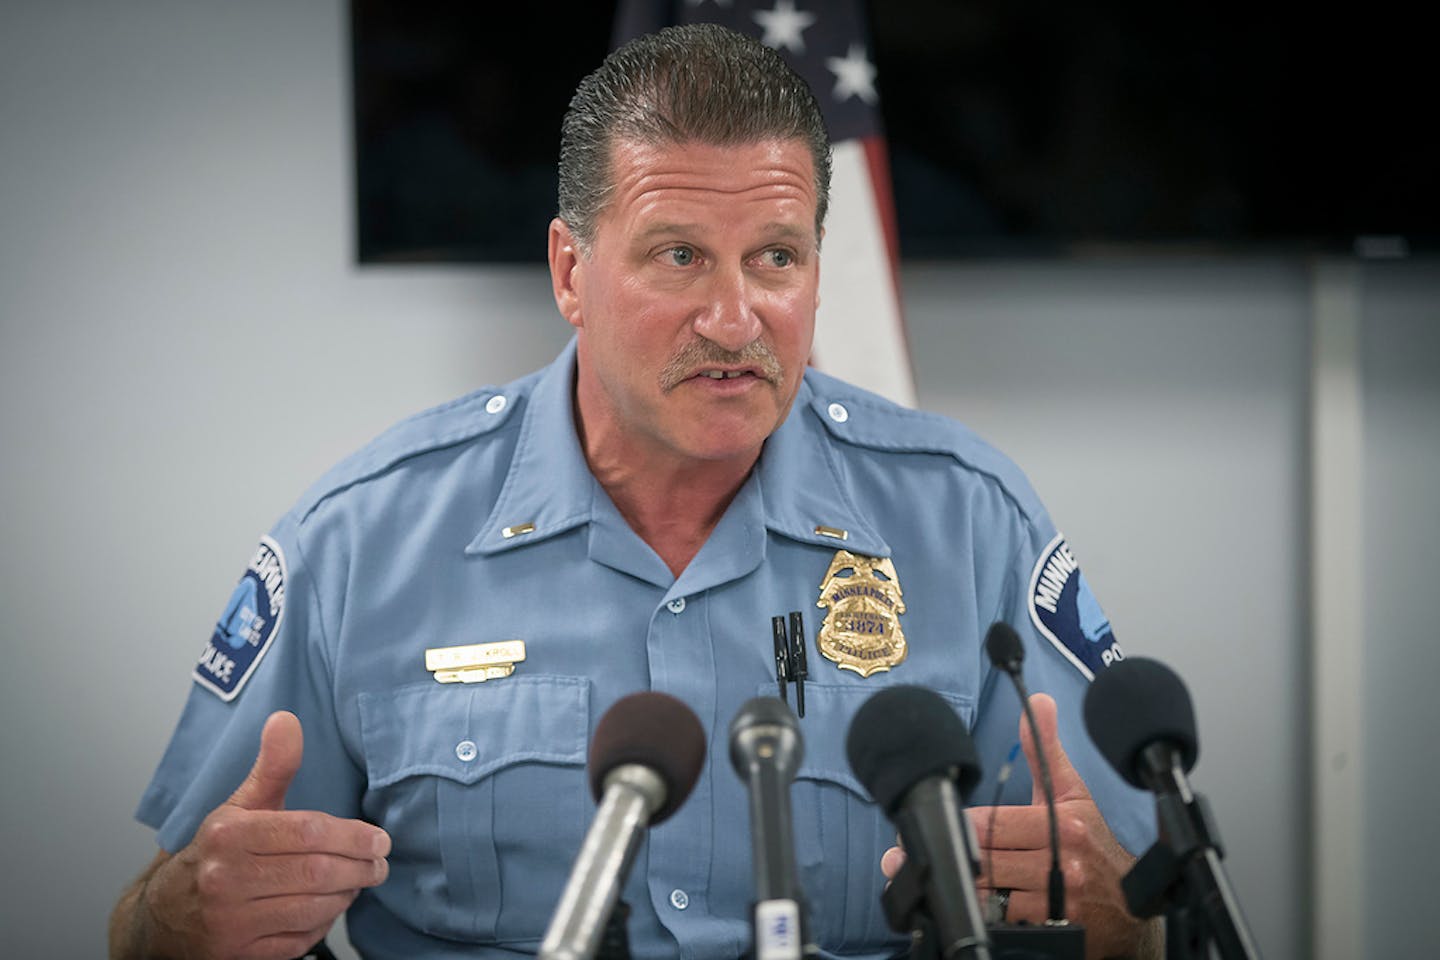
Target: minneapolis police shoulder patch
[(1067, 613), (247, 626)]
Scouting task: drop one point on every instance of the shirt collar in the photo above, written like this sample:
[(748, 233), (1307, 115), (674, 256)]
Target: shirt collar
[(798, 489), (549, 488), (807, 496)]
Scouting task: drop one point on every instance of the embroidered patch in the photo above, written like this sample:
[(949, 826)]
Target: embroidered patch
[(1067, 613), (247, 626)]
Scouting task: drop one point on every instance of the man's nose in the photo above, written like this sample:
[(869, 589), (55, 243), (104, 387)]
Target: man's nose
[(729, 318)]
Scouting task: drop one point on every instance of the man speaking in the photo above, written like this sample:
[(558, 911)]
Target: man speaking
[(392, 716)]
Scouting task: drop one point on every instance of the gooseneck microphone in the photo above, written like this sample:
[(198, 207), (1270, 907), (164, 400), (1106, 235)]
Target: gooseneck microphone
[(1139, 714), (766, 750), (644, 759), (1007, 653), (914, 755)]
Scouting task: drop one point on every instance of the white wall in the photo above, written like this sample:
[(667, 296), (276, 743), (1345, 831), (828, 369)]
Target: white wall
[(185, 345)]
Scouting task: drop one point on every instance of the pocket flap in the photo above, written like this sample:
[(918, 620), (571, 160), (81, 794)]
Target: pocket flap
[(464, 732), (831, 708)]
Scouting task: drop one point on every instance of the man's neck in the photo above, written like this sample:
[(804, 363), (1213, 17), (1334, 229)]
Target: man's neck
[(671, 508)]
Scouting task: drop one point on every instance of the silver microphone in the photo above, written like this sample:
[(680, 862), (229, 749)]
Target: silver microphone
[(644, 759)]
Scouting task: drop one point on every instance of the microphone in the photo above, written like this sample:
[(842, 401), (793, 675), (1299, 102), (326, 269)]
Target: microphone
[(1007, 653), (1139, 714), (915, 757), (766, 749), (644, 760)]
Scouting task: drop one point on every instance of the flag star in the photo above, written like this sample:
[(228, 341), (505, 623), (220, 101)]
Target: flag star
[(784, 25), (854, 75)]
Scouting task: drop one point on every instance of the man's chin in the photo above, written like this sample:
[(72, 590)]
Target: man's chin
[(723, 446)]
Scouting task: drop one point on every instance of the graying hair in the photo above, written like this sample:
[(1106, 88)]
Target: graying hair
[(699, 83)]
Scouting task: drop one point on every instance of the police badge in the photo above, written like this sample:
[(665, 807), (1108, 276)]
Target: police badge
[(861, 631)]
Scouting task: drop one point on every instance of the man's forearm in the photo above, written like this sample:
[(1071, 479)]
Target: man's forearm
[(1151, 945), (130, 927)]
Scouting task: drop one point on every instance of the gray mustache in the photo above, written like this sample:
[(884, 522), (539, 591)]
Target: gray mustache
[(701, 354)]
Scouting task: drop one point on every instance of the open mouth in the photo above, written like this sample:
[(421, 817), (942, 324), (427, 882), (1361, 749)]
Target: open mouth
[(725, 374)]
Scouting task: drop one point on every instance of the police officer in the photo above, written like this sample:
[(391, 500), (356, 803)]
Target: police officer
[(392, 715)]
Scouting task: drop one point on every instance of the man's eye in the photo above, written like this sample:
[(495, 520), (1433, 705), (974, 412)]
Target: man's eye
[(780, 258), (681, 256)]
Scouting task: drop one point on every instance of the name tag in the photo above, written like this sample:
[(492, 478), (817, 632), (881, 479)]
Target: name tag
[(474, 662)]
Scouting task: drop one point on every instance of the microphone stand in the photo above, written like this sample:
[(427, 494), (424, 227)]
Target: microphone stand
[(907, 908), (615, 940), (1181, 876)]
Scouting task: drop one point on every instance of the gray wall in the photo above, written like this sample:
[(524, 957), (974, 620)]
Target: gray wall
[(1159, 408), (185, 345), (1401, 367)]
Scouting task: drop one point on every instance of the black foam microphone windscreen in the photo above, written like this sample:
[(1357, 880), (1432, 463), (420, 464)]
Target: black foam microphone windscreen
[(653, 730), (1136, 703), (1003, 646), (903, 735)]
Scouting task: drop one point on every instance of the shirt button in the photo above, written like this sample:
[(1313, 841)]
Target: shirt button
[(466, 751), (838, 413), (495, 404), (677, 606), (679, 899)]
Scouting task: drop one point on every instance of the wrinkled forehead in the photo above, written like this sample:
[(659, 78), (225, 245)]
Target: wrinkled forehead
[(756, 170)]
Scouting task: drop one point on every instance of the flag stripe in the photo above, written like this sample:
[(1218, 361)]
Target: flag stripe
[(858, 332)]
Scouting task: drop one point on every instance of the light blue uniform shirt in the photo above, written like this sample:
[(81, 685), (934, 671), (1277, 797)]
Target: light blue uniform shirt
[(482, 786)]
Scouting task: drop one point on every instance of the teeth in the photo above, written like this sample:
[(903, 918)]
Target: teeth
[(722, 375)]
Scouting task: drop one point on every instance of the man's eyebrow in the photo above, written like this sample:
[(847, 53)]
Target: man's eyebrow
[(775, 230), (790, 231), (668, 229)]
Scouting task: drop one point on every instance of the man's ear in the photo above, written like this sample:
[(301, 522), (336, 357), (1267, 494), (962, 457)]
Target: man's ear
[(566, 269)]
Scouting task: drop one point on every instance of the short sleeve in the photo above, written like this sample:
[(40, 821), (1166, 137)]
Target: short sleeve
[(268, 652), (1067, 639)]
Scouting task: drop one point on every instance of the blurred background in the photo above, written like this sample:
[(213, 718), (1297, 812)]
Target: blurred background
[(1237, 431)]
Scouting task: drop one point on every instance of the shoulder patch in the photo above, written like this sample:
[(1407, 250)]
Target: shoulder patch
[(1067, 613), (248, 625)]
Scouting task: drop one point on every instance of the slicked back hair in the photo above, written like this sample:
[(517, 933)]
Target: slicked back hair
[(699, 83)]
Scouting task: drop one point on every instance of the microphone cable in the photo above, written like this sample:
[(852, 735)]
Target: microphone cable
[(1007, 653), (1001, 779)]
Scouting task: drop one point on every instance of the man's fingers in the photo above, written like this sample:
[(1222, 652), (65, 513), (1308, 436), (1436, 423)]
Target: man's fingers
[(1015, 828), (281, 747), (292, 925), (299, 874), (1015, 870), (891, 861), (1024, 906), (1066, 781), (311, 831)]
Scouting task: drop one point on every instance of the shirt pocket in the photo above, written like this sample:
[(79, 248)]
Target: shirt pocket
[(840, 834), (482, 789)]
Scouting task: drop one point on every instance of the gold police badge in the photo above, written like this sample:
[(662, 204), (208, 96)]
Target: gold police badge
[(861, 631)]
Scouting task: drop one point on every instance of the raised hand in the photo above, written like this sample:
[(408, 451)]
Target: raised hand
[(260, 882), (1091, 859), (1017, 851)]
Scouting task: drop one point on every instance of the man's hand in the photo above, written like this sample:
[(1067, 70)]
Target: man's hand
[(1091, 859), (258, 881)]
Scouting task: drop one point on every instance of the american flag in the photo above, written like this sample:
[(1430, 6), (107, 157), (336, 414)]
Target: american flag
[(859, 332)]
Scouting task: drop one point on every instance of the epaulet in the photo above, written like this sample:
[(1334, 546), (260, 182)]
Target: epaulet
[(465, 418), (856, 416)]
